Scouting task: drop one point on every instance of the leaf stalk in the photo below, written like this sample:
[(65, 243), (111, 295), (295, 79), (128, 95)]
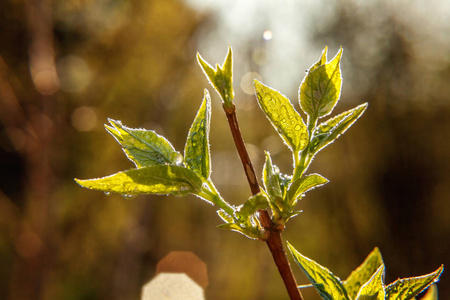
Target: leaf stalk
[(210, 193)]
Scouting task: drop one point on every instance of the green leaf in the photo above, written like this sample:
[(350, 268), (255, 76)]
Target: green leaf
[(161, 179), (322, 60), (253, 204), (271, 179), (363, 273), (330, 130), (281, 113), (408, 288), (275, 184), (221, 77), (227, 68), (432, 293), (250, 232), (327, 285), (373, 289), (232, 227), (302, 185), (246, 221), (224, 216), (144, 147), (321, 88), (196, 152)]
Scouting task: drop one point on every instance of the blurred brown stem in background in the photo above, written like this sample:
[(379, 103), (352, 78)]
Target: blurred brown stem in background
[(33, 123)]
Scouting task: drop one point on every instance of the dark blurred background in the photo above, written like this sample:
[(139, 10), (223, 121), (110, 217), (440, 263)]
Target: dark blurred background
[(65, 66)]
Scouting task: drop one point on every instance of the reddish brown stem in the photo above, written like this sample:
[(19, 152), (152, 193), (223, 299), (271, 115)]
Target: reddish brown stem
[(273, 241), (239, 142), (275, 245)]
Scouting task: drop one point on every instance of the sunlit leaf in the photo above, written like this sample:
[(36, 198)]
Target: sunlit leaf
[(224, 216), (373, 289), (330, 130), (271, 179), (227, 67), (363, 273), (322, 60), (431, 294), (161, 179), (144, 147), (408, 288), (281, 113), (221, 77), (327, 285), (246, 221), (196, 152), (207, 69), (321, 88), (231, 226), (249, 232), (304, 184), (275, 184), (253, 204)]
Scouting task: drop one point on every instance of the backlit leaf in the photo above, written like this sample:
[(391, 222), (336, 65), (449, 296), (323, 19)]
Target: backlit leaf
[(363, 273), (224, 216), (327, 285), (249, 232), (281, 113), (322, 60), (304, 184), (373, 289), (330, 130), (196, 152), (253, 204), (144, 147), (161, 179), (221, 77), (408, 288), (271, 179), (227, 66), (432, 293), (321, 88)]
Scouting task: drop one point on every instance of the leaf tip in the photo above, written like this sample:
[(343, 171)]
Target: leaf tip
[(115, 125), (227, 64), (205, 66), (81, 182), (290, 247), (199, 57), (339, 54), (362, 108), (206, 95), (377, 250), (440, 270), (257, 83), (323, 58)]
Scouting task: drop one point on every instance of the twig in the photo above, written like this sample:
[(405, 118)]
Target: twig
[(273, 241)]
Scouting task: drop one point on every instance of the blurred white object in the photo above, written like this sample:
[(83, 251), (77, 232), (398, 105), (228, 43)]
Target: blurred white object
[(172, 286)]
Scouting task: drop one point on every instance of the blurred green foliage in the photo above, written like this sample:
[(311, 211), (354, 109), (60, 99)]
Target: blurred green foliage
[(135, 61)]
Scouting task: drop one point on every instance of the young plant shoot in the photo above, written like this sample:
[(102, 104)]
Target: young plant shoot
[(161, 169)]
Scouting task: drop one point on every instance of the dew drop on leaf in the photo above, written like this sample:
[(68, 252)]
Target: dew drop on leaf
[(107, 193), (184, 188), (276, 170), (177, 158)]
